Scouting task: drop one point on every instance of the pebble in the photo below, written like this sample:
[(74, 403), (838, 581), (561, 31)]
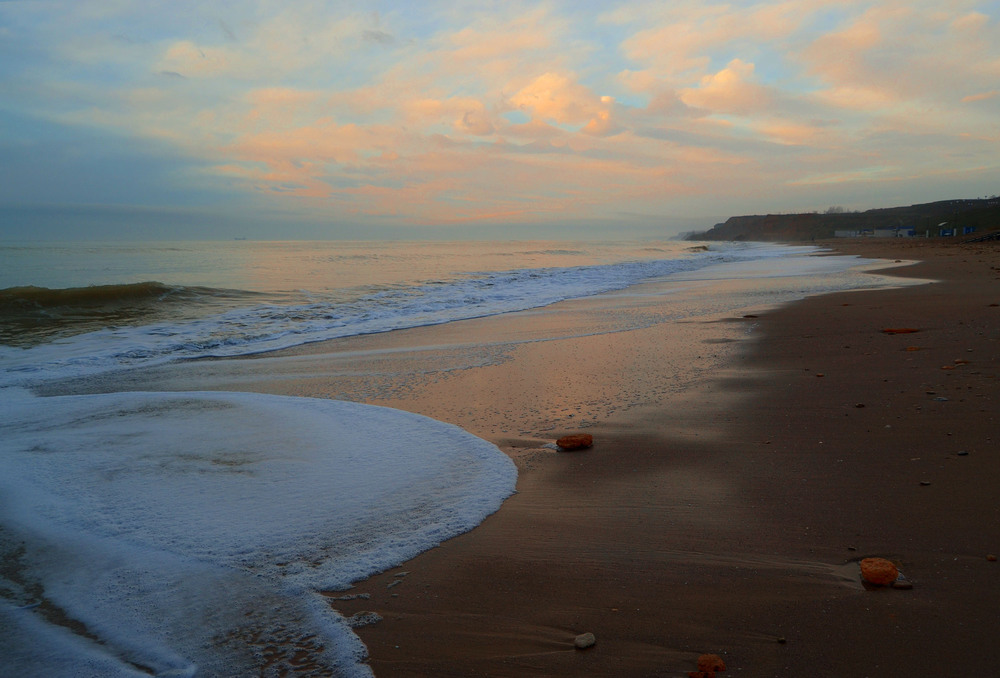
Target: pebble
[(990, 557), (710, 663), (575, 441), (902, 583), (963, 453), (878, 571), (584, 640), (925, 483)]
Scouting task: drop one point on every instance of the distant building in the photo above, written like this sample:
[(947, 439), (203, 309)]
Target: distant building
[(899, 232), (894, 233)]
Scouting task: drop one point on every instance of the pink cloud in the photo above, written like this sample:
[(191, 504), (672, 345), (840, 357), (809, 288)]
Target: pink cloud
[(731, 90), (558, 97), (791, 133), (601, 125), (191, 60), (837, 57), (982, 96), (490, 42), (679, 36), (475, 122), (555, 96), (465, 115)]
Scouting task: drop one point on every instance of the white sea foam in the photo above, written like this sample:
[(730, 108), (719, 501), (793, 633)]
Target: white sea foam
[(183, 533)]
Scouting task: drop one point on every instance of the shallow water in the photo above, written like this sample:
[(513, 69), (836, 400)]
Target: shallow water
[(259, 297)]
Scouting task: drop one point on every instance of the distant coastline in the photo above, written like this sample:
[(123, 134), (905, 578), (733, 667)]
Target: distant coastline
[(969, 218)]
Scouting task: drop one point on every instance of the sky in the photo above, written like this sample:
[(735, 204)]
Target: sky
[(317, 119)]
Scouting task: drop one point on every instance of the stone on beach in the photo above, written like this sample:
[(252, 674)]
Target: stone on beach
[(576, 441), (584, 640), (878, 571), (711, 662), (900, 330), (708, 665)]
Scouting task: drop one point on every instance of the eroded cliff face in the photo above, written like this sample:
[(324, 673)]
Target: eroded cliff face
[(770, 227), (981, 214)]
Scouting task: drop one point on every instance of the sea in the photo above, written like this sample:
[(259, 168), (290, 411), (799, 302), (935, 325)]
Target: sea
[(200, 533)]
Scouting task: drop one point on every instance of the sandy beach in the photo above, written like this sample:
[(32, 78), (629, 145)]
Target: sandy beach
[(727, 516), (744, 463)]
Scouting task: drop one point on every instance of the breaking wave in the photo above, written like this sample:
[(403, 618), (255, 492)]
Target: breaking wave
[(31, 315)]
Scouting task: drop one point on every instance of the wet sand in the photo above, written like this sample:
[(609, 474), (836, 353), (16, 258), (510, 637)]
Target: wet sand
[(742, 468), (727, 515)]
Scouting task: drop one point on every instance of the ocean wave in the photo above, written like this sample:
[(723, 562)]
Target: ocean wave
[(14, 299), (270, 322), (30, 315)]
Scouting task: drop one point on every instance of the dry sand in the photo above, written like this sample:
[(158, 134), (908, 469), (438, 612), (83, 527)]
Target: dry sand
[(728, 516)]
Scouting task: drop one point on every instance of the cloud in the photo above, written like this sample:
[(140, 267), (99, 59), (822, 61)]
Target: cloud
[(903, 57), (682, 38), (731, 90), (839, 58), (462, 114), (792, 133), (559, 98), (378, 36), (278, 108), (556, 96), (490, 40), (982, 96), (601, 125), (281, 96), (190, 60), (475, 122), (463, 111)]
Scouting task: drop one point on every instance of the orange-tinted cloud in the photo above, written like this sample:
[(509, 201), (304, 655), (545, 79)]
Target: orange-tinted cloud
[(731, 90), (982, 96), (498, 111), (559, 98)]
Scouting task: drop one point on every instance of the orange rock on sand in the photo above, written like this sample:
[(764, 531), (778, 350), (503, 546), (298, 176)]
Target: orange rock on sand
[(710, 663), (878, 571), (576, 441)]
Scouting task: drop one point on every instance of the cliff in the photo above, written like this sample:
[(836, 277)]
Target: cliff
[(981, 214)]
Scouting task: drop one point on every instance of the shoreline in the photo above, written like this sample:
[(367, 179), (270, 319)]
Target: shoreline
[(747, 455), (731, 520)]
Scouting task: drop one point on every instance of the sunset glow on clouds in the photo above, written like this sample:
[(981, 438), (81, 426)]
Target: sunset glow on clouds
[(409, 115)]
